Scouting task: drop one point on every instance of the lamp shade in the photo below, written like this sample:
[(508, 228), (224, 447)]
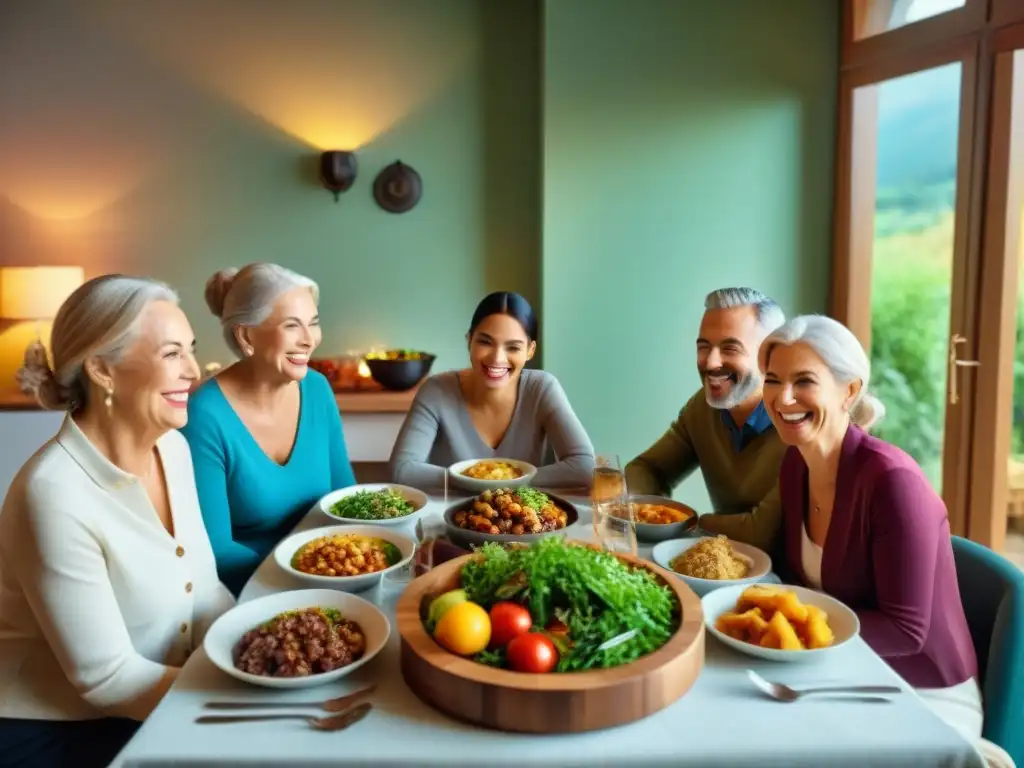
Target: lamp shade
[(36, 293)]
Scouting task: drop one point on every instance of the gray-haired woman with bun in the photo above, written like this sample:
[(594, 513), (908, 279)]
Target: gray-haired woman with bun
[(107, 578), (266, 433), (862, 523)]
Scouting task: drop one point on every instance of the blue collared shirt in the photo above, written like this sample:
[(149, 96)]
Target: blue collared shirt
[(757, 422)]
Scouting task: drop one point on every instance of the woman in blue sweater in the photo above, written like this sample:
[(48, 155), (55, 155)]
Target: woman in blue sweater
[(265, 434)]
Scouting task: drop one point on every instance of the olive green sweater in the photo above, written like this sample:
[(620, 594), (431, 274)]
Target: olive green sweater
[(743, 485)]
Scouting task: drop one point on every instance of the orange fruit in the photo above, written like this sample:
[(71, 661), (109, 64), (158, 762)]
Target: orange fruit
[(464, 629)]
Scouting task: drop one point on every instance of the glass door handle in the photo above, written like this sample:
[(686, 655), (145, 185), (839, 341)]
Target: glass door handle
[(955, 363)]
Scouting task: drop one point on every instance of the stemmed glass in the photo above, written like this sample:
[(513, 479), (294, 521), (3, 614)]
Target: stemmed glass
[(428, 529), (614, 525)]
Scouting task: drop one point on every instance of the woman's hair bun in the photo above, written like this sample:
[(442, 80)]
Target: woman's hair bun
[(36, 378), (217, 288), (867, 411)]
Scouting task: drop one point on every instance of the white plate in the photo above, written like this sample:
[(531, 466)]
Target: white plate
[(416, 497), (759, 561), (844, 622), (285, 551), (227, 630), (479, 486)]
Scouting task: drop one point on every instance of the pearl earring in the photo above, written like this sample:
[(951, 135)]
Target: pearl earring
[(109, 401)]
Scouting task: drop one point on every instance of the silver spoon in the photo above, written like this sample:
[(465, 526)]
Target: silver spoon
[(339, 704), (331, 723), (784, 693)]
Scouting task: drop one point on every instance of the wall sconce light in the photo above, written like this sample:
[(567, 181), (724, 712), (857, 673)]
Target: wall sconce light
[(337, 171)]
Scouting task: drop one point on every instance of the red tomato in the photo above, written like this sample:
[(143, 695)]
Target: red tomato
[(532, 652), (508, 621)]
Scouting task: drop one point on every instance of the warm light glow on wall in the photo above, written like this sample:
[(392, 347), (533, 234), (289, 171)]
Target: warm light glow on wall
[(333, 75), (47, 199)]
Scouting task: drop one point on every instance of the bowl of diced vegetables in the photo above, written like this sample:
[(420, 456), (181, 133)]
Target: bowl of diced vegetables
[(374, 504)]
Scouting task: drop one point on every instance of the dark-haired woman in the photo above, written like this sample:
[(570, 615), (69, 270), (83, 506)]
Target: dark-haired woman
[(494, 408)]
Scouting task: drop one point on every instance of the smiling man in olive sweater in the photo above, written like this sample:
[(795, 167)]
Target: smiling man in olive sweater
[(724, 429)]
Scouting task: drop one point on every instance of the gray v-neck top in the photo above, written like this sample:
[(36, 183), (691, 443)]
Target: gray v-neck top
[(544, 431)]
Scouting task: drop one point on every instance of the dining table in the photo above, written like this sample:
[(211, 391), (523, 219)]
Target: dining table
[(723, 720)]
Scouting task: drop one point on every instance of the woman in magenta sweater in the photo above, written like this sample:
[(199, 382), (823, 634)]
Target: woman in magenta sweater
[(862, 523)]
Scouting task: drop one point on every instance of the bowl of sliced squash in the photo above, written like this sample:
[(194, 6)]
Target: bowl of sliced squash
[(779, 622)]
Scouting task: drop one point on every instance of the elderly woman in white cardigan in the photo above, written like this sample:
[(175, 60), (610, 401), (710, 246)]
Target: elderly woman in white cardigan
[(107, 579)]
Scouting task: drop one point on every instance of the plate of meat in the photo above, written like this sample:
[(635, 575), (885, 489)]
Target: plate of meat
[(298, 639)]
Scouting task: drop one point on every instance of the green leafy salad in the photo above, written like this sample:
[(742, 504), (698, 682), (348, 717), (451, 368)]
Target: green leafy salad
[(580, 597), (386, 504)]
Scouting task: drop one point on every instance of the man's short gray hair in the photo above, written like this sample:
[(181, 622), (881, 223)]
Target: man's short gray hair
[(769, 314)]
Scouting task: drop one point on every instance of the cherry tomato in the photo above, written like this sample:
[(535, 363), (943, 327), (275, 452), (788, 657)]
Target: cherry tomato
[(508, 621), (532, 652)]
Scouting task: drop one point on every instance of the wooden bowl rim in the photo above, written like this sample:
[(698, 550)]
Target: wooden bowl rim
[(414, 635), (502, 538)]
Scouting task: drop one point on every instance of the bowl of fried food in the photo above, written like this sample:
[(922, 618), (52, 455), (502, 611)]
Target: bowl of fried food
[(779, 622), (659, 519), (479, 475), (325, 635), (712, 562), (374, 504), (346, 557), (506, 515)]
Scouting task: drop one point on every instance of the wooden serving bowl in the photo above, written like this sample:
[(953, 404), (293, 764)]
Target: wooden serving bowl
[(557, 702)]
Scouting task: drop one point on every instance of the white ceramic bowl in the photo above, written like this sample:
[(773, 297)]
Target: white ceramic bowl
[(667, 551), (285, 551), (227, 630), (844, 622), (416, 497), (479, 486)]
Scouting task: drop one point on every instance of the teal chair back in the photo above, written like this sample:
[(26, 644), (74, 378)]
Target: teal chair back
[(992, 591)]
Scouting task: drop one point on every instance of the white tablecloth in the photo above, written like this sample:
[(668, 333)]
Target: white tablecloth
[(721, 721)]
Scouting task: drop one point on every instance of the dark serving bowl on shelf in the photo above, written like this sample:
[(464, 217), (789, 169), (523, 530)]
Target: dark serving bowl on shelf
[(399, 370)]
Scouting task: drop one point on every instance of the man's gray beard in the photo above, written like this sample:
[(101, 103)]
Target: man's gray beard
[(744, 387)]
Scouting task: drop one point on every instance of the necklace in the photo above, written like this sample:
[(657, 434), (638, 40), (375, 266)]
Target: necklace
[(152, 463)]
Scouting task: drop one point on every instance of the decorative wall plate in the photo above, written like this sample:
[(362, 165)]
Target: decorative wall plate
[(397, 188)]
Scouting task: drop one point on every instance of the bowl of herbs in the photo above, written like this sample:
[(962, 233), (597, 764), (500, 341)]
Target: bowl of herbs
[(374, 503)]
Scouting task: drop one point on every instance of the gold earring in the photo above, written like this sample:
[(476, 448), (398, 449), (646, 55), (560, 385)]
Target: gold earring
[(109, 401)]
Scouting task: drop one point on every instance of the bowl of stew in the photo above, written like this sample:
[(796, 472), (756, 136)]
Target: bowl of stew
[(346, 557), (659, 519), (521, 514), (348, 632)]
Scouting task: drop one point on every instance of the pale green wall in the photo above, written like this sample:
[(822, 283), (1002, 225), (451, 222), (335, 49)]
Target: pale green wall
[(687, 146), (173, 138), (666, 146)]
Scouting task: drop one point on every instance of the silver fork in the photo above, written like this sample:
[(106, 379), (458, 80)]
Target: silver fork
[(330, 723), (784, 693), (339, 704)]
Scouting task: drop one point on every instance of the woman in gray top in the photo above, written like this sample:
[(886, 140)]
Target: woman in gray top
[(494, 408)]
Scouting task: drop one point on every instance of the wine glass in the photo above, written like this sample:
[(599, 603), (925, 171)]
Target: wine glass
[(614, 525)]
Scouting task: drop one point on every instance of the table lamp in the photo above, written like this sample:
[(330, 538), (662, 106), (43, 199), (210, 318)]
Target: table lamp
[(29, 300)]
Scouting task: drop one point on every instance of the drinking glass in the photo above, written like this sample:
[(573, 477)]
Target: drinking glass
[(614, 524), (428, 530)]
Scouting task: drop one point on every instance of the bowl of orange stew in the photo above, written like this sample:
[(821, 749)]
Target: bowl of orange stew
[(660, 519)]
